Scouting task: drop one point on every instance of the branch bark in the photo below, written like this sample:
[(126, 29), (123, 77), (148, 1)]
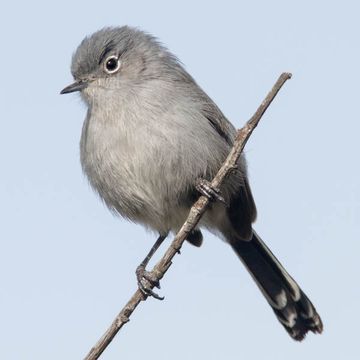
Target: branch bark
[(194, 217)]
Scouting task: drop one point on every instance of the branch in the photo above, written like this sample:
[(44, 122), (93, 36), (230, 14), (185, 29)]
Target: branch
[(194, 217)]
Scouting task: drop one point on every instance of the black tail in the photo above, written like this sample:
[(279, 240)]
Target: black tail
[(291, 306)]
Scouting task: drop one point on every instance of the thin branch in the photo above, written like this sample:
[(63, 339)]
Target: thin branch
[(194, 217)]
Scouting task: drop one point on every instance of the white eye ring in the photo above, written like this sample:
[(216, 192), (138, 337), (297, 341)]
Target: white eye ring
[(112, 64)]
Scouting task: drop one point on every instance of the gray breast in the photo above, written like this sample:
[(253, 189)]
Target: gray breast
[(143, 161)]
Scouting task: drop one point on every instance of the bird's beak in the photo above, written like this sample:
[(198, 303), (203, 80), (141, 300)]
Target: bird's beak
[(76, 86)]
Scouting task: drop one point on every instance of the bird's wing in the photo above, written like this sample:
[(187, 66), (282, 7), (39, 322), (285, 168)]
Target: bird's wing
[(217, 119), (242, 208)]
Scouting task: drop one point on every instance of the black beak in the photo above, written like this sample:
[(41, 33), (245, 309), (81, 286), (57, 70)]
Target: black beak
[(76, 86)]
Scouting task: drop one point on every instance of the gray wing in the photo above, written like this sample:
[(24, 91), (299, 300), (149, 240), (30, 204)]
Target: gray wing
[(217, 120), (242, 208)]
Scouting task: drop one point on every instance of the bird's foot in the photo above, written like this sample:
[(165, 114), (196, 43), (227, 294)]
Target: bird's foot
[(205, 188), (146, 281)]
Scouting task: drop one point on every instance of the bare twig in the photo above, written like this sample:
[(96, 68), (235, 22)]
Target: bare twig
[(195, 214)]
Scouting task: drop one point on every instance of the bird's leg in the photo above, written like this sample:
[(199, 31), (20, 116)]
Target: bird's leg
[(204, 188), (147, 279)]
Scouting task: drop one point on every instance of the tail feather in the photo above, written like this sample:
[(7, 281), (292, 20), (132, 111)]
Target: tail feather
[(292, 307)]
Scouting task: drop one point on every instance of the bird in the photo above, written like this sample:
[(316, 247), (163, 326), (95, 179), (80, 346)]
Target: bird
[(151, 142)]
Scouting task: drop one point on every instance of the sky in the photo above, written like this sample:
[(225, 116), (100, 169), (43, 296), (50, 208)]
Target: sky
[(67, 265)]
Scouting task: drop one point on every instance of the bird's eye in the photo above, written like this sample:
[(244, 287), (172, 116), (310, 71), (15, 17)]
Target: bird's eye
[(112, 64)]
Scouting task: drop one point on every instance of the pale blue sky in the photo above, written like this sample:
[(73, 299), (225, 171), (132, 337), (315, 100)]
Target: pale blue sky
[(67, 265)]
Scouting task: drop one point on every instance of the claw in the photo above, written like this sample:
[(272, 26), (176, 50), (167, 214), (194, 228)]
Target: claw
[(149, 292), (146, 280), (204, 188)]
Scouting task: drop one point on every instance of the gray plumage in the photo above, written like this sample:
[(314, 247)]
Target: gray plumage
[(150, 133)]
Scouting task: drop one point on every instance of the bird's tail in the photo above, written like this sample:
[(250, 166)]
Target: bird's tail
[(292, 307)]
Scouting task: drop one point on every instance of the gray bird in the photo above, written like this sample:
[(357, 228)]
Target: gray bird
[(150, 142)]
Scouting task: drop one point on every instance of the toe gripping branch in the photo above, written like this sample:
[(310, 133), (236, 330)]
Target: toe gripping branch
[(147, 280), (205, 188)]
